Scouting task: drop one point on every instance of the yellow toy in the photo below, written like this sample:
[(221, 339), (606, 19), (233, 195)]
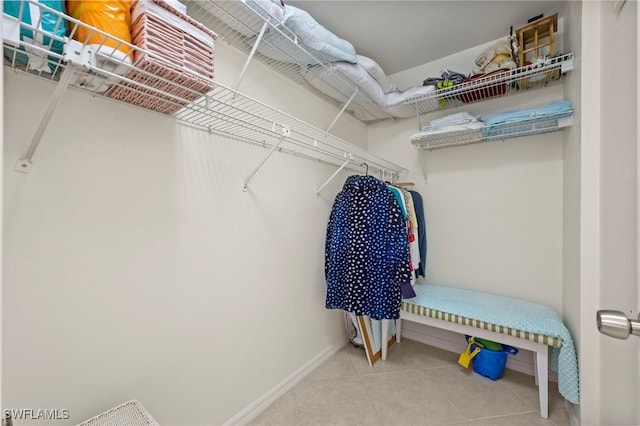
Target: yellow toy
[(466, 356)]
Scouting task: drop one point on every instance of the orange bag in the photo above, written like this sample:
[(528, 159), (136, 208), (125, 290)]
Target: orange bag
[(111, 16)]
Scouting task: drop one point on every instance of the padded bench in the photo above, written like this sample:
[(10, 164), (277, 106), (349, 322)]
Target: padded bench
[(506, 320)]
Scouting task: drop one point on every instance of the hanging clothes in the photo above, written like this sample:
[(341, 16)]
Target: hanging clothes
[(422, 232), (405, 200), (412, 229), (367, 250)]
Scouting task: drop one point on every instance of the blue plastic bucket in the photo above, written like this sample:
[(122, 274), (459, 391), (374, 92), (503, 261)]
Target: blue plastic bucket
[(491, 363)]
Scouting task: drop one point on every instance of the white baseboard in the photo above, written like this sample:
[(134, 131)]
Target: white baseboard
[(512, 364), (262, 403)]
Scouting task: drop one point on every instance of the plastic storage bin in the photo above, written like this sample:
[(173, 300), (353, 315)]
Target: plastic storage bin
[(181, 60), (40, 27), (491, 363)]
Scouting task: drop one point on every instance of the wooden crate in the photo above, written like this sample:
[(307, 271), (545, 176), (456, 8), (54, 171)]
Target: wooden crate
[(536, 39)]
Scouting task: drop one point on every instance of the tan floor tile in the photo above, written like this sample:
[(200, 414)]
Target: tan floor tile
[(529, 419), (334, 402), (280, 413), (417, 385), (408, 355), (340, 365), (408, 398), (475, 396), (559, 416), (525, 387)]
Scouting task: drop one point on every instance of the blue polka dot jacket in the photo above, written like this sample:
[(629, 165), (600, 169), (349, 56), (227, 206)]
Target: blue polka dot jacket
[(366, 250)]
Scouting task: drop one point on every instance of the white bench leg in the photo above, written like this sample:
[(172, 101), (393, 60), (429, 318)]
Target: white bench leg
[(542, 377), (385, 337), (398, 329), (535, 367)]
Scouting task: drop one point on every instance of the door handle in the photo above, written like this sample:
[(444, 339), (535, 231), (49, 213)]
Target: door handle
[(616, 324)]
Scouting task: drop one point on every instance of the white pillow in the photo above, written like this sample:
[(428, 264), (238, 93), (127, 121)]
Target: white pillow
[(327, 81), (317, 38), (385, 104), (377, 73)]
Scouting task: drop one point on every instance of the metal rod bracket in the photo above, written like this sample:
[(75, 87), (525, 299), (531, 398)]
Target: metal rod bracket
[(344, 107), (23, 166), (286, 131), (347, 161), (251, 54), (76, 53)]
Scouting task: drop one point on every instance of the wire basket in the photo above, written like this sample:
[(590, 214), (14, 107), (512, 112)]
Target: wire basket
[(130, 413)]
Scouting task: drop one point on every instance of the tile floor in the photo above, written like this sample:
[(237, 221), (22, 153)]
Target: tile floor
[(417, 385)]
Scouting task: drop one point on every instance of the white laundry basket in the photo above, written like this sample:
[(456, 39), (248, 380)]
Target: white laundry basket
[(130, 413)]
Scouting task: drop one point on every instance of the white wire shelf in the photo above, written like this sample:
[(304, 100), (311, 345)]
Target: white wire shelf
[(239, 22), (155, 83), (536, 125), (495, 85)]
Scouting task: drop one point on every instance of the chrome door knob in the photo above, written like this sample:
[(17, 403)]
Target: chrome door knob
[(616, 324)]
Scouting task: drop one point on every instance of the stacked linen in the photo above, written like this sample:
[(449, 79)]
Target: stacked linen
[(527, 121), (454, 129)]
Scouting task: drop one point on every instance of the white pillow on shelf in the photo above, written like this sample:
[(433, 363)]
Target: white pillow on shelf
[(377, 73)]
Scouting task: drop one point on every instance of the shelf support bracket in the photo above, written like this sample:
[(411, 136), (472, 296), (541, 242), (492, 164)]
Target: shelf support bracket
[(24, 164), (285, 132), (253, 51), (335, 174), (342, 110), (422, 166), (76, 56)]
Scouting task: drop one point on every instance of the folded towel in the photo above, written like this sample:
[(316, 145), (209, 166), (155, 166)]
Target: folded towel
[(528, 113), (452, 119)]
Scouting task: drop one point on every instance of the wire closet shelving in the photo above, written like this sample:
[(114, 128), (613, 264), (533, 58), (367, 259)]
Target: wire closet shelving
[(150, 80), (244, 23), (535, 125), (248, 26), (500, 83)]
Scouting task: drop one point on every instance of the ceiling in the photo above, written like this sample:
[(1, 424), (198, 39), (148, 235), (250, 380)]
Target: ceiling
[(400, 34)]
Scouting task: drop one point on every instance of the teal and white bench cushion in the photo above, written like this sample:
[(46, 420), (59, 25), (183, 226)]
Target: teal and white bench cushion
[(518, 318)]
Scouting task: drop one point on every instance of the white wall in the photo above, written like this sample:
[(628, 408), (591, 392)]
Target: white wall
[(135, 266), (618, 287), (493, 210), (571, 175), (571, 172)]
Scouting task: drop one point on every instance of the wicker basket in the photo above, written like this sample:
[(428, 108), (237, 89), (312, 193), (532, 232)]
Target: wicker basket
[(490, 87), (131, 413), (180, 68)]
